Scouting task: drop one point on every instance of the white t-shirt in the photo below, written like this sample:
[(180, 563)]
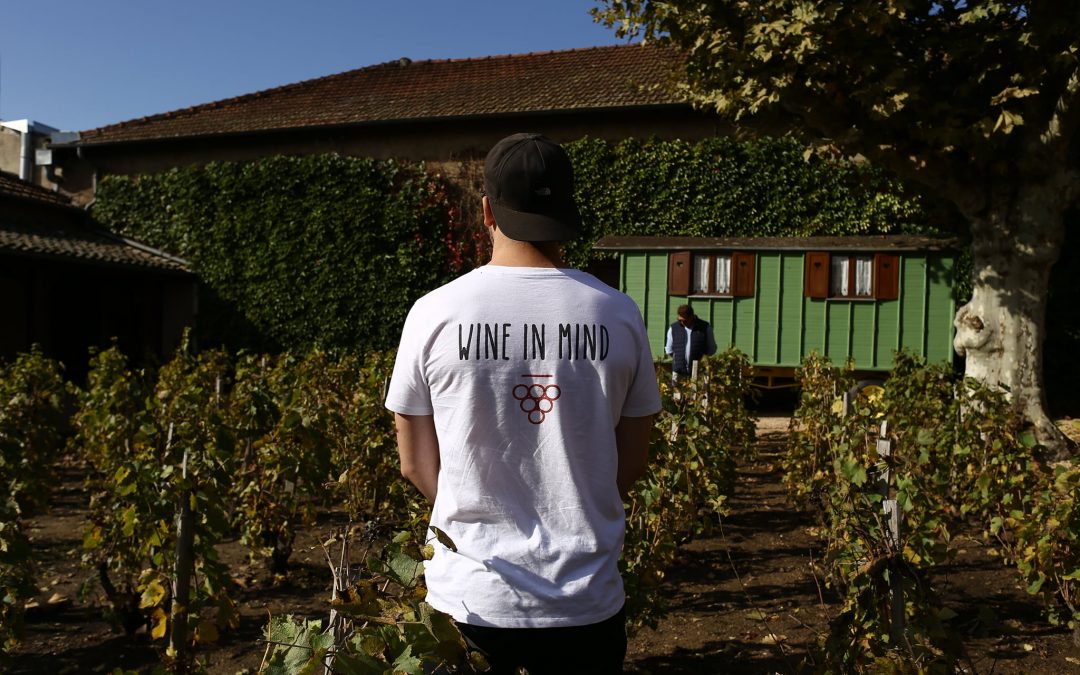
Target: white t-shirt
[(526, 372)]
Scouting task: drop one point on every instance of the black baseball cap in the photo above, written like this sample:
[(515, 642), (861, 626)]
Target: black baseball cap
[(530, 186)]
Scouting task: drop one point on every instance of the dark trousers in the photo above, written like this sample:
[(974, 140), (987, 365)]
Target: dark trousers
[(596, 649)]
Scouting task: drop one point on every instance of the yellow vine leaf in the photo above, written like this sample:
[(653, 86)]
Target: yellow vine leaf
[(1013, 92), (159, 622), (152, 595)]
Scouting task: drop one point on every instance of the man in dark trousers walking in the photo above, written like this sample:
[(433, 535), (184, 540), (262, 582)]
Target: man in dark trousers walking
[(688, 340)]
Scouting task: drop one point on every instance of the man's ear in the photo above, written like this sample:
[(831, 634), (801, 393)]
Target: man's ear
[(489, 217)]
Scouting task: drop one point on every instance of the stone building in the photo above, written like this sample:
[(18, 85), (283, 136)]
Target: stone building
[(67, 285), (446, 113), (24, 151)]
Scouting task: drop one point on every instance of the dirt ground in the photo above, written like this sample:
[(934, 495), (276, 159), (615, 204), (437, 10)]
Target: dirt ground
[(742, 601), (747, 601)]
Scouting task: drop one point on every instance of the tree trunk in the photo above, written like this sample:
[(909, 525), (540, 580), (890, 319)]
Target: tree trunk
[(1000, 331)]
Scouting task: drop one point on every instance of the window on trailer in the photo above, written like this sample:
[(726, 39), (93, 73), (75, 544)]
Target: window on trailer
[(844, 276), (723, 273), (851, 276), (712, 274)]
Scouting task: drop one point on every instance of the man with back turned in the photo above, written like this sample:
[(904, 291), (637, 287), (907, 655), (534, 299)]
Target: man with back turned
[(523, 395)]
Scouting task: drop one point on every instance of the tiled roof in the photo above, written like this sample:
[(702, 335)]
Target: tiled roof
[(75, 238), (890, 242), (83, 243), (12, 186), (580, 79)]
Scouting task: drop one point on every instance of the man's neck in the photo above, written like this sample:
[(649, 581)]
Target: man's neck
[(510, 253)]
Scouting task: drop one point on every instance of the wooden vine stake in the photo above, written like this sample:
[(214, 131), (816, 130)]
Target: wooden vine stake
[(185, 541), (342, 578), (892, 517)]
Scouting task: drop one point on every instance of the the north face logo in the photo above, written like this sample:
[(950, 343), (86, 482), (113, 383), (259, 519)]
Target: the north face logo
[(537, 400)]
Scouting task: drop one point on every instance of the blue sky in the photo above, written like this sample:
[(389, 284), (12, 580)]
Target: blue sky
[(81, 64)]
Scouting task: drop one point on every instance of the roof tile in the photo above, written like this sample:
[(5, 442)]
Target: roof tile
[(10, 186), (87, 244), (76, 239), (579, 79)]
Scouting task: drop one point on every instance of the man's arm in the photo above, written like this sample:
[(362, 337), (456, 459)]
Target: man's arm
[(668, 345), (418, 449), (632, 436)]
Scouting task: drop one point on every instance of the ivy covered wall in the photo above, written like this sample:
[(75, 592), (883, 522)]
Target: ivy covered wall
[(295, 252), (721, 186)]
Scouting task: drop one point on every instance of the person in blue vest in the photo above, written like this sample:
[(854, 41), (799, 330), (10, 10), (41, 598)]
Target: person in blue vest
[(688, 339)]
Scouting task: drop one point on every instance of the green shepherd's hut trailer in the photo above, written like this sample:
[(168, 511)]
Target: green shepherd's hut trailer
[(777, 299)]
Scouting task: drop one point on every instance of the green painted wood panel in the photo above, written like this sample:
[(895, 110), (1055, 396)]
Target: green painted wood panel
[(838, 339), (941, 308), (710, 311), (656, 301), (744, 311), (913, 277), (707, 312), (633, 278), (633, 284), (718, 312), (767, 296), (791, 311), (778, 326), (729, 324), (815, 326), (862, 332), (888, 329)]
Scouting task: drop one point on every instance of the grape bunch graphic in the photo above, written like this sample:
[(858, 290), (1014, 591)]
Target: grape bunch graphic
[(537, 400)]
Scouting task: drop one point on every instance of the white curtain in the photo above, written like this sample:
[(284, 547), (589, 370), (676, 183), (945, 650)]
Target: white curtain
[(701, 274), (723, 274), (864, 274), (838, 276)]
